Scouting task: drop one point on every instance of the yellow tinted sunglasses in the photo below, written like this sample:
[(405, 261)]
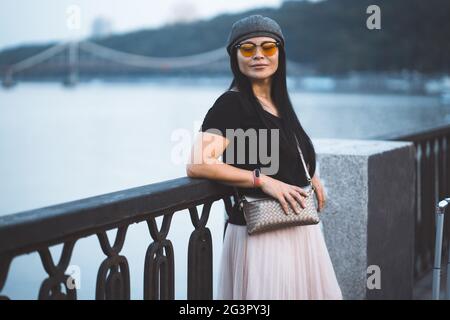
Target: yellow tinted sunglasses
[(248, 49)]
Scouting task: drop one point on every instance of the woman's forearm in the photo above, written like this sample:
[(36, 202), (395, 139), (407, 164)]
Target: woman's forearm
[(222, 172)]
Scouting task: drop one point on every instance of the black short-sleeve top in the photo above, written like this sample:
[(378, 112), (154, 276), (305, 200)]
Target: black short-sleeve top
[(228, 112)]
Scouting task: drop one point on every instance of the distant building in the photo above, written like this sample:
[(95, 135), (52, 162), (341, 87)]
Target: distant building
[(182, 12), (101, 27)]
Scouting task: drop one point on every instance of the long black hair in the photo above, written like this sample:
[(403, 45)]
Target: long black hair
[(280, 97)]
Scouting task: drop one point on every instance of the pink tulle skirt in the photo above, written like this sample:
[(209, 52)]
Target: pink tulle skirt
[(289, 264)]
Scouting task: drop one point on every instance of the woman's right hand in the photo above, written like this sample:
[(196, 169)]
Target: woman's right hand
[(286, 194)]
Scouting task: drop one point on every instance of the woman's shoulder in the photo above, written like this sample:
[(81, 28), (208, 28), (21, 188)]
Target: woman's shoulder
[(228, 102), (229, 96), (226, 112)]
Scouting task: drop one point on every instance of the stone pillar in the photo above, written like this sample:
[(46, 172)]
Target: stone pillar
[(369, 215)]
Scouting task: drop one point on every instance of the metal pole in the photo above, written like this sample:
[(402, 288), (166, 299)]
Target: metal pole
[(440, 210), (437, 254), (448, 271)]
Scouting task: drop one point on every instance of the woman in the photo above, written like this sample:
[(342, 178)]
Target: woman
[(290, 263)]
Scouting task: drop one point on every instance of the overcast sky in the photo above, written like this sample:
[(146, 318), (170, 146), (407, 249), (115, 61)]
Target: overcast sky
[(29, 21)]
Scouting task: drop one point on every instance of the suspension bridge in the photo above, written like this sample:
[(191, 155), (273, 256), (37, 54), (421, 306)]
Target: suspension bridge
[(69, 59)]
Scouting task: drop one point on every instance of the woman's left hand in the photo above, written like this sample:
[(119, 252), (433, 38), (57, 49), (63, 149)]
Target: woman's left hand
[(319, 191)]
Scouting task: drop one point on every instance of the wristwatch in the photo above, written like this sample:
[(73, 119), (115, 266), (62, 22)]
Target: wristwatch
[(257, 178)]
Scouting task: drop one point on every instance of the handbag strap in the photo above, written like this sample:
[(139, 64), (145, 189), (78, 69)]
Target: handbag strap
[(308, 176)]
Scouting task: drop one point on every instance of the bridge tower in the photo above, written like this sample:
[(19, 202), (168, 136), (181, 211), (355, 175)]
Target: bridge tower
[(8, 81), (73, 58)]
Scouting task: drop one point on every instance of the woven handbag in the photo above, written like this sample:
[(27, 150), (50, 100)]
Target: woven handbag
[(265, 213)]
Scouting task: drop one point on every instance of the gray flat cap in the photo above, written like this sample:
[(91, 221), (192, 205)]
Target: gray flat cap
[(253, 26)]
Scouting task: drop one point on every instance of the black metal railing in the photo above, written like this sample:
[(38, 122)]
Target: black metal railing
[(38, 230), (432, 184)]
